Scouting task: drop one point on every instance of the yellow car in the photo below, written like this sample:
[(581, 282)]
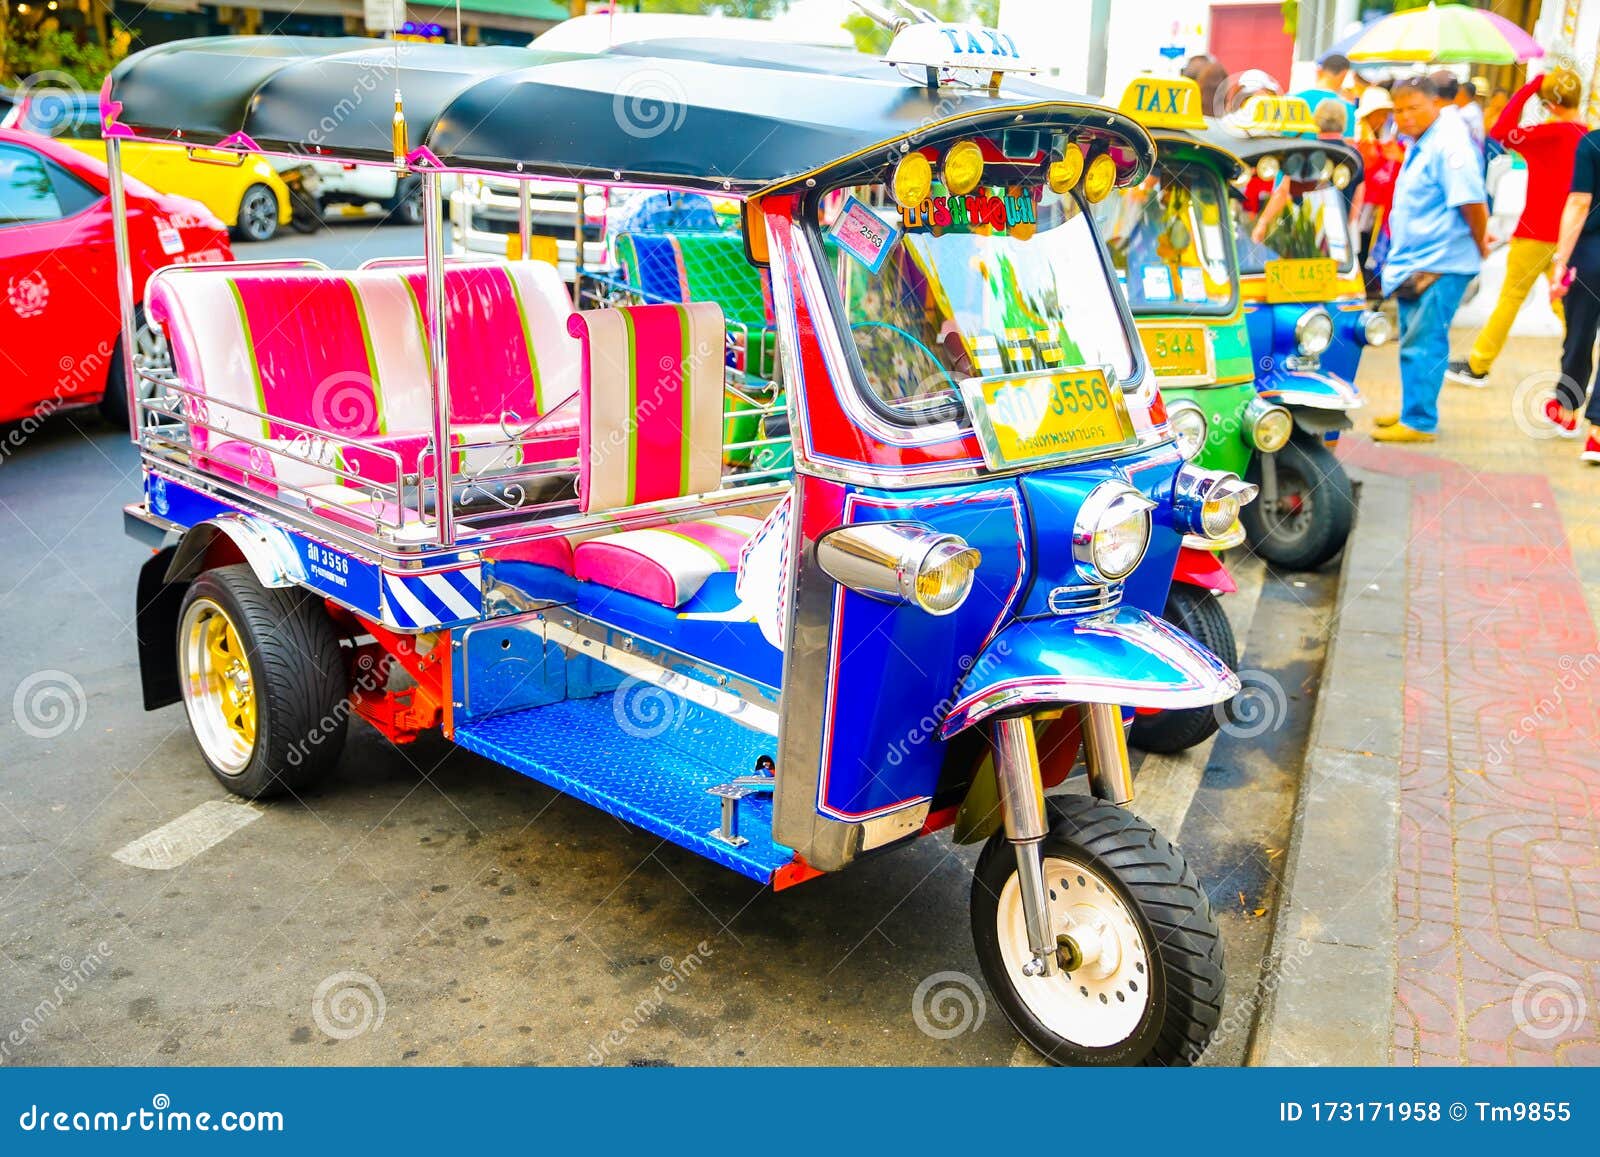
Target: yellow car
[(244, 191)]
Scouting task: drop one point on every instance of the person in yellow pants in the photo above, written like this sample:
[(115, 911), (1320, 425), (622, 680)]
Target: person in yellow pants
[(1548, 149)]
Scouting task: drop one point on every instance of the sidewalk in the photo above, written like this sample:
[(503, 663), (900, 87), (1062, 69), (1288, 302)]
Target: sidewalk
[(1444, 882)]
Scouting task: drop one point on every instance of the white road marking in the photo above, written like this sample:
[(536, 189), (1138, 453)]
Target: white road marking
[(1166, 784), (186, 837)]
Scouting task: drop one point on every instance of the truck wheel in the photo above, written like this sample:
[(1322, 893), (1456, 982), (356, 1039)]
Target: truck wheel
[(1139, 977), (1199, 614), (258, 214), (1311, 519), (263, 681)]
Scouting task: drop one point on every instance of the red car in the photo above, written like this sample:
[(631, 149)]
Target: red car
[(60, 343)]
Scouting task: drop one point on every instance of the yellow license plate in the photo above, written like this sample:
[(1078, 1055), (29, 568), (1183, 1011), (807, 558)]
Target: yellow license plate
[(1031, 417), (1176, 351), (1305, 279)]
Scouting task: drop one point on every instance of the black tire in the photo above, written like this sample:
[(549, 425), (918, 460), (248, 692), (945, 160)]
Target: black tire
[(1324, 506), (1199, 614), (296, 672), (258, 214), (406, 208), (1151, 878), (154, 354)]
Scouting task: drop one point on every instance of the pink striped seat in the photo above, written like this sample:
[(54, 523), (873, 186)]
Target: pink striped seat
[(650, 398), (346, 354)]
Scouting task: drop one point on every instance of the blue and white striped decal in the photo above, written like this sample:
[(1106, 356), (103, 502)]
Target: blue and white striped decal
[(433, 600)]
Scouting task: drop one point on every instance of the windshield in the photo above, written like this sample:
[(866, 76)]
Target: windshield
[(943, 301), (1169, 244), (1311, 224)]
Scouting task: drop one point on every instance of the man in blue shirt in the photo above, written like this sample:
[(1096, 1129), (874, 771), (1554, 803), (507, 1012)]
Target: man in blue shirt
[(1438, 238), (1331, 73)]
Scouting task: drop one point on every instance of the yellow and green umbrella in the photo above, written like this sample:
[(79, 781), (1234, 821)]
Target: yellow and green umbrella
[(1442, 34)]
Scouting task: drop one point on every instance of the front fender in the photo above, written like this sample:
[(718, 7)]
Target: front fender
[(1124, 656), (1308, 389), (1202, 568)]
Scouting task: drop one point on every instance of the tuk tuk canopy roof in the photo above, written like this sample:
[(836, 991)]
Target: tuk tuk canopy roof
[(1183, 144), (717, 115), (1250, 148)]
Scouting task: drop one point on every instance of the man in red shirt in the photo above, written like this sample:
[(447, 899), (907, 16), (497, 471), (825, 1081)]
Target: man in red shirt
[(1548, 148)]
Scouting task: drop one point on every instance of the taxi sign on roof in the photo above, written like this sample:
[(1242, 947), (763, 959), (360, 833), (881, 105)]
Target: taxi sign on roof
[(1159, 102), (1267, 114), (948, 46)]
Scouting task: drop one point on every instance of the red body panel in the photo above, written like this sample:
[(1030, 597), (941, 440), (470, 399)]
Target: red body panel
[(1201, 568), (59, 324)]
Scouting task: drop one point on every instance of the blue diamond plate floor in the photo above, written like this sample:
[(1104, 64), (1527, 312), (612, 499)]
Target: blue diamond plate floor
[(645, 775)]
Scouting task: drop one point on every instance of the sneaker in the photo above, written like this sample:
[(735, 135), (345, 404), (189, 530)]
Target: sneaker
[(1565, 421), (1400, 432), (1591, 448), (1461, 373)]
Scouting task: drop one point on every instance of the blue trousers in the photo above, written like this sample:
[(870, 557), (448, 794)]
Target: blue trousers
[(1425, 349)]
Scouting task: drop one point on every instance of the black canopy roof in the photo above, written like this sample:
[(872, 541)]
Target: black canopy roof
[(1250, 148), (1180, 142), (692, 113)]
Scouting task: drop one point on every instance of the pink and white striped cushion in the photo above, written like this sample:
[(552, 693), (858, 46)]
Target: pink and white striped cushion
[(666, 564), (650, 397)]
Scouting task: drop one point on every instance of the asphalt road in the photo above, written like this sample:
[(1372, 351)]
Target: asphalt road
[(425, 906)]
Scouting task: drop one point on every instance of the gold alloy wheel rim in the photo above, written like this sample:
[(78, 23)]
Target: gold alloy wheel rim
[(218, 686)]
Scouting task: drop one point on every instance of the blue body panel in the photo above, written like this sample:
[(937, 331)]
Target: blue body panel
[(1343, 356), (654, 776), (1271, 328)]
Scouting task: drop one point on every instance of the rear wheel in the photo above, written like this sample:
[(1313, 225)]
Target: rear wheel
[(1199, 614), (1139, 962), (258, 214), (1310, 521), (263, 681)]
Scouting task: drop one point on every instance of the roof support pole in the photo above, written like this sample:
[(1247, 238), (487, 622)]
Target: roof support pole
[(438, 357), (524, 219), (125, 307)]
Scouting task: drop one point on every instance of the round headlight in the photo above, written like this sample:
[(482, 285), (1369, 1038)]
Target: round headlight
[(1218, 516), (1313, 333), (1270, 425), (1267, 168), (1341, 176), (944, 577), (1189, 427), (1112, 531), (1375, 327), (963, 167), (913, 180), (1064, 173)]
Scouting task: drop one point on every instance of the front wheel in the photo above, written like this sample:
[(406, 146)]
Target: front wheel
[(263, 680), (1310, 521), (258, 215), (1199, 614), (1139, 977)]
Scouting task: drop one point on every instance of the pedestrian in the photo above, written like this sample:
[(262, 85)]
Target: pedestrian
[(1498, 99), (1438, 231), (1331, 71), (1575, 275), (1548, 148), (1381, 157), (1471, 111)]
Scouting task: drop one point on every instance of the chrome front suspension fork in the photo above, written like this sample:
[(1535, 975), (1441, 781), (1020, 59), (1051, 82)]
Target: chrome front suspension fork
[(1016, 772)]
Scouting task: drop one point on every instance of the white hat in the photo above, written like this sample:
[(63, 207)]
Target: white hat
[(1375, 99)]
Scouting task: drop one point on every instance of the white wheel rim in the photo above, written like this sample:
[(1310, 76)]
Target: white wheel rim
[(213, 690), (1101, 1003)]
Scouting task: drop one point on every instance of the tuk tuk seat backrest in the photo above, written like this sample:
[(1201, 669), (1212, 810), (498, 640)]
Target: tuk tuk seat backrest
[(698, 267), (650, 400)]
